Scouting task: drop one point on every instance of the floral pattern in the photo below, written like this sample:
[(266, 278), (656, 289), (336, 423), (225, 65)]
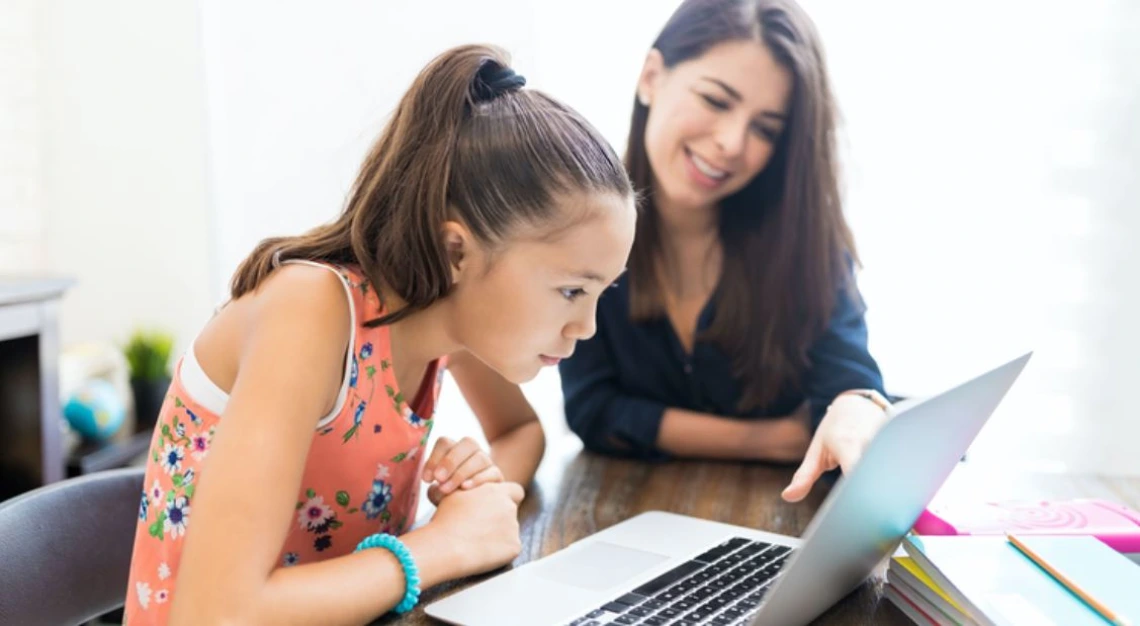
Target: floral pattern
[(177, 517), (200, 445), (172, 458), (156, 493), (376, 502), (142, 590), (361, 475), (314, 513)]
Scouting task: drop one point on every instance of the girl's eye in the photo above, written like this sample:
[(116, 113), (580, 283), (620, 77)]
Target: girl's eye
[(572, 293)]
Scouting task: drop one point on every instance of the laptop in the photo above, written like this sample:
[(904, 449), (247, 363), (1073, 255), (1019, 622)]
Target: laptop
[(660, 568)]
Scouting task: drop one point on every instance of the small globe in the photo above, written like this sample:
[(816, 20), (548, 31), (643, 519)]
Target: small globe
[(95, 410)]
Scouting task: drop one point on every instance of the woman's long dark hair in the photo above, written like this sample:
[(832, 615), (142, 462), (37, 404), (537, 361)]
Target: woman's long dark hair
[(787, 247)]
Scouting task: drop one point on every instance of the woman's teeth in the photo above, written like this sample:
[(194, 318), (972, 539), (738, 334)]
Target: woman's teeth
[(707, 169)]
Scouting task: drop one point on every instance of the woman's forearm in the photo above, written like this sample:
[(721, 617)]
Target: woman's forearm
[(701, 435)]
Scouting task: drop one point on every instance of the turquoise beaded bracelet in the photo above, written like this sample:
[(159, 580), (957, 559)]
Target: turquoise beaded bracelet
[(411, 574)]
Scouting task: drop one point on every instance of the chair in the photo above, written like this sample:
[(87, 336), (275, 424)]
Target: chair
[(65, 549)]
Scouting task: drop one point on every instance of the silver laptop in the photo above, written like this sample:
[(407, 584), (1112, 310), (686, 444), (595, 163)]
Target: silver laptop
[(660, 568)]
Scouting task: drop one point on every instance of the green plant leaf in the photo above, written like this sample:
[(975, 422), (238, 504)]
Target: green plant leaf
[(385, 516), (352, 510), (178, 402), (148, 354), (391, 392), (384, 365), (177, 480), (190, 491), (299, 506), (309, 493), (335, 524), (342, 498), (399, 457), (370, 370)]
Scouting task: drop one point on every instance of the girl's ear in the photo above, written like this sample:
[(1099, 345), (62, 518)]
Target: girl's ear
[(458, 243), (651, 73)]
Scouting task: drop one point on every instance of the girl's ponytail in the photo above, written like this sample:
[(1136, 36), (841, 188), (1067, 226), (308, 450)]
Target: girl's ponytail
[(465, 143)]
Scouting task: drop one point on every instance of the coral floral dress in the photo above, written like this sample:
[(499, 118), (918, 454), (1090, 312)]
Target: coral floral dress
[(361, 474)]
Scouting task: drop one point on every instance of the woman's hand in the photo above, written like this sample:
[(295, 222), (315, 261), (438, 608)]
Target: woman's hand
[(455, 465), (478, 526), (847, 427), (781, 440)]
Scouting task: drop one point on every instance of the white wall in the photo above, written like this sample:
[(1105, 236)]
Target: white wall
[(122, 181), (986, 148), (21, 217), (297, 96), (989, 152)]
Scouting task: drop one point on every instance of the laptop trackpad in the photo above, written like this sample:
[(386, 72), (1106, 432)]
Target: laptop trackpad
[(597, 566)]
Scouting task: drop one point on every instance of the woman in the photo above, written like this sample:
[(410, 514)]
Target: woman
[(738, 331)]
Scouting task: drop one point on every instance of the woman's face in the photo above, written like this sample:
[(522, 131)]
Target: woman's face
[(713, 120)]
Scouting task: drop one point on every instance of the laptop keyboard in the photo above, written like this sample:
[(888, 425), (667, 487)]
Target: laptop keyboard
[(723, 586)]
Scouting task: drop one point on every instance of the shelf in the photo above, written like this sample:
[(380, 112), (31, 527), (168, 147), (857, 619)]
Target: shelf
[(98, 456)]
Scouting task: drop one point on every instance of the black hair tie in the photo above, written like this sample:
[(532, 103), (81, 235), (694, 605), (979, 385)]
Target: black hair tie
[(494, 80)]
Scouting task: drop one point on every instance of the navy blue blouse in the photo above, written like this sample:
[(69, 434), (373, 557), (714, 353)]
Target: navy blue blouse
[(619, 383)]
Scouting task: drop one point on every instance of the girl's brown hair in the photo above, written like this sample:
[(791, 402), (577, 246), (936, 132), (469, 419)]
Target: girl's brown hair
[(466, 142), (787, 247)]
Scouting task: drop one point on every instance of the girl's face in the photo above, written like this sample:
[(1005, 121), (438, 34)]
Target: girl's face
[(525, 304), (713, 120)]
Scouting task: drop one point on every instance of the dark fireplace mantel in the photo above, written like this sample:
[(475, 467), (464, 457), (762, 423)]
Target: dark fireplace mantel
[(31, 440)]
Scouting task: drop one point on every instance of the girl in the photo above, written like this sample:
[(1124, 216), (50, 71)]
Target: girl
[(738, 331), (484, 224)]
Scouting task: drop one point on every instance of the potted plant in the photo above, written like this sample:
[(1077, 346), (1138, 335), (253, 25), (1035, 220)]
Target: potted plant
[(148, 354)]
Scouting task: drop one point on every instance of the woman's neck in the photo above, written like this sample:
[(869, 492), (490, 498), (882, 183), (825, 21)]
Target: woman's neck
[(685, 223), (690, 255)]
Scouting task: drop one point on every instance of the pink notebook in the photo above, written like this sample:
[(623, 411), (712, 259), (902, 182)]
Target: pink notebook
[(1114, 524)]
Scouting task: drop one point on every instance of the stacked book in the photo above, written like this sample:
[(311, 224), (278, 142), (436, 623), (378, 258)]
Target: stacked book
[(1010, 580)]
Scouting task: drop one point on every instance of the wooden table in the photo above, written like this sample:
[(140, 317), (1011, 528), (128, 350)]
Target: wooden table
[(578, 493)]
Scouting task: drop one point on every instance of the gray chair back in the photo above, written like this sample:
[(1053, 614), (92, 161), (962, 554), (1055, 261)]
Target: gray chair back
[(65, 549)]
